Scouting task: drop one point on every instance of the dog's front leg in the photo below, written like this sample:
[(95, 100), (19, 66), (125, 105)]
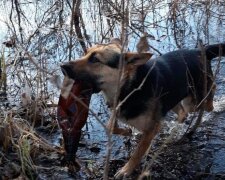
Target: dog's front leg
[(115, 129), (139, 152)]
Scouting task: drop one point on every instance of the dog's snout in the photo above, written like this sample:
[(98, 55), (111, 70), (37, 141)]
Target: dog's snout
[(67, 69)]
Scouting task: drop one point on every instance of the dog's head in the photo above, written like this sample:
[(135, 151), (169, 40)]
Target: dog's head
[(100, 66)]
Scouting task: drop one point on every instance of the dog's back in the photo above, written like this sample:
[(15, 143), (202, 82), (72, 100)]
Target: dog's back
[(169, 81)]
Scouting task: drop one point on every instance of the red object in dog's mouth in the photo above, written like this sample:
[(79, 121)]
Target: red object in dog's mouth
[(72, 115)]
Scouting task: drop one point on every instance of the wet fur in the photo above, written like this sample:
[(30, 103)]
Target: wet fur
[(172, 78)]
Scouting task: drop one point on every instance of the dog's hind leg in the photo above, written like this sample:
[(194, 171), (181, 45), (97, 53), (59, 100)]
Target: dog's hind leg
[(209, 100), (183, 108), (139, 152), (181, 114)]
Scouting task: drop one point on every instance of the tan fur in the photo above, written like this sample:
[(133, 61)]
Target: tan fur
[(183, 108), (115, 129)]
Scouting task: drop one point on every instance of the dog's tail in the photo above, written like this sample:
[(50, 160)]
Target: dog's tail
[(212, 51), (215, 50)]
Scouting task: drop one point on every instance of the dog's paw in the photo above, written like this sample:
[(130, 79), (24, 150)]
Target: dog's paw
[(123, 172), (122, 131), (181, 119), (126, 132)]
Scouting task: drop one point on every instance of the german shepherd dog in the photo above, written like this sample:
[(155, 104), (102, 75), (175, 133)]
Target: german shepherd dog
[(149, 88)]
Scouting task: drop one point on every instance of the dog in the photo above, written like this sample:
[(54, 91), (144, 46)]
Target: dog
[(147, 88)]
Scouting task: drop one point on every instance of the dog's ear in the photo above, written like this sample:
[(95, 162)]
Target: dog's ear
[(137, 58), (116, 41)]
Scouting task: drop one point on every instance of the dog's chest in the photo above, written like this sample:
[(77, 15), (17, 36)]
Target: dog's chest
[(141, 116), (143, 122)]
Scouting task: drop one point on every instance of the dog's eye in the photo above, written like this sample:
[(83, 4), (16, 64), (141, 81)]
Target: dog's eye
[(93, 59)]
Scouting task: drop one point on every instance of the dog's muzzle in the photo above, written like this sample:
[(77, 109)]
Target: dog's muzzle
[(85, 77), (67, 70)]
